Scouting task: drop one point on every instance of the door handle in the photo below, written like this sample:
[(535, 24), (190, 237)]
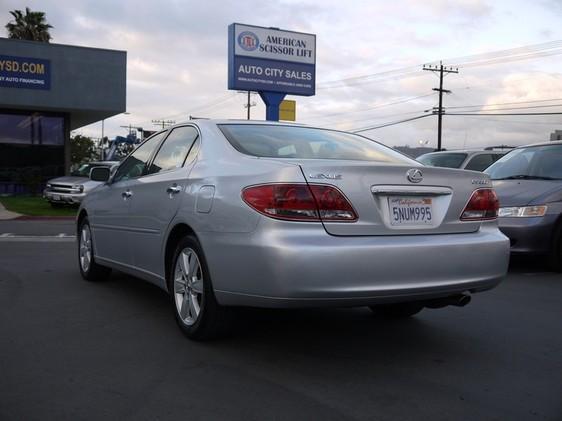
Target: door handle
[(173, 189), (126, 194)]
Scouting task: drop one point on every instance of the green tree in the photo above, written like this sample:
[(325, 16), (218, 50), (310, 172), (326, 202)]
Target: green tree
[(31, 26), (82, 149)]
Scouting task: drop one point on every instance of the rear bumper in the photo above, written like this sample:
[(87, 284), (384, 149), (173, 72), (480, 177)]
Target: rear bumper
[(529, 235), (298, 266)]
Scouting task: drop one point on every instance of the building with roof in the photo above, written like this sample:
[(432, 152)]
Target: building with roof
[(47, 90)]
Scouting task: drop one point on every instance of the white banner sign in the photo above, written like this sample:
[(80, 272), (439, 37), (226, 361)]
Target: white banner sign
[(274, 44)]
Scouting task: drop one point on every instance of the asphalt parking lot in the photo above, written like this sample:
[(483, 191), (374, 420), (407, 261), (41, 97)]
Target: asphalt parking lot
[(76, 350)]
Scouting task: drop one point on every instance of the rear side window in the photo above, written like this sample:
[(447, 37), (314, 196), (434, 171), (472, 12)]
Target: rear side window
[(443, 159), (480, 162), (174, 150), (271, 141)]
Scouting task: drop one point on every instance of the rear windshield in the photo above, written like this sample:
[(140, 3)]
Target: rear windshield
[(447, 160), (271, 141)]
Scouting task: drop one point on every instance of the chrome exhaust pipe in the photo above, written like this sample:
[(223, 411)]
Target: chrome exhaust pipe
[(459, 300), (462, 300)]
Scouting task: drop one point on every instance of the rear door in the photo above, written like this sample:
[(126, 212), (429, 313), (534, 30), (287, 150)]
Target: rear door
[(384, 194), (157, 196)]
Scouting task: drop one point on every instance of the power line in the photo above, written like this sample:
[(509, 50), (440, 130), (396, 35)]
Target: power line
[(380, 126), (500, 56), (377, 118), (203, 106), (374, 107), (502, 114), (516, 108), (506, 103), (350, 81), (544, 123), (525, 49)]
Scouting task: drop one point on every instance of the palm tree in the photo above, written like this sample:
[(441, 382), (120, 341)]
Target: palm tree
[(32, 26)]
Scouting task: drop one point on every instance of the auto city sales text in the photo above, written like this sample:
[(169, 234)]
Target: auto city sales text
[(273, 72)]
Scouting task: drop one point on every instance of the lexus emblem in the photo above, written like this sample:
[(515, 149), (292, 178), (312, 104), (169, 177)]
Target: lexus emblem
[(414, 175)]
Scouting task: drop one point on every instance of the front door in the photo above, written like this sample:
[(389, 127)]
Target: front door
[(111, 205)]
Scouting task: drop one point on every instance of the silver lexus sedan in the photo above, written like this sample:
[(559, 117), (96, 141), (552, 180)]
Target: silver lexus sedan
[(238, 213)]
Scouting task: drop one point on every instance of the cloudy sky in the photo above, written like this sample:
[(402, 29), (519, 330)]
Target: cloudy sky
[(369, 62)]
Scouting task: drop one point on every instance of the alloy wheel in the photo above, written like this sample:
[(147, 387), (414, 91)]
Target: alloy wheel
[(85, 248), (188, 286)]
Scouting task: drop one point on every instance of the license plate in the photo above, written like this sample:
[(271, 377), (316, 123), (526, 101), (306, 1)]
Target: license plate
[(55, 197), (410, 210)]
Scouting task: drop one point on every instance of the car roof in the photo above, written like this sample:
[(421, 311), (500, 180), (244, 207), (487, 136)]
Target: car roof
[(552, 142), (468, 152), (214, 122)]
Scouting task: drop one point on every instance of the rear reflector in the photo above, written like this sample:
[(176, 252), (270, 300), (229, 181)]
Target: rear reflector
[(483, 204), (299, 202)]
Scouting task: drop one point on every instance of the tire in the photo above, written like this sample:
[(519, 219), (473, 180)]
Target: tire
[(397, 311), (89, 268), (193, 301), (555, 256)]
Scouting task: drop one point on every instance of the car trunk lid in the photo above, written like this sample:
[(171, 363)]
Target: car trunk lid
[(385, 199)]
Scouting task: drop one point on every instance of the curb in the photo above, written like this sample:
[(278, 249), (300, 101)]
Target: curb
[(6, 215), (44, 218)]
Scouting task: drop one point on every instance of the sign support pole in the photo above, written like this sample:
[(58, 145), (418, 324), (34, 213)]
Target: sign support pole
[(272, 101)]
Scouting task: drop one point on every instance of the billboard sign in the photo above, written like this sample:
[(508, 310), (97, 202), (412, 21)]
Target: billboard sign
[(288, 110), (269, 59), (25, 72)]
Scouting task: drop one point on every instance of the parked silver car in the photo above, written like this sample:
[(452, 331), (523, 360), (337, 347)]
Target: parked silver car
[(233, 213), (462, 159), (70, 190)]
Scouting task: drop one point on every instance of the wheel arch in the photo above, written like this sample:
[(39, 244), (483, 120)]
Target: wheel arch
[(557, 229), (178, 232), (81, 216)]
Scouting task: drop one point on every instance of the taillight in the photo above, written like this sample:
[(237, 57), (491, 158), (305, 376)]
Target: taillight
[(483, 204), (299, 202), (332, 204)]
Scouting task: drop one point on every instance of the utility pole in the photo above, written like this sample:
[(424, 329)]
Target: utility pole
[(164, 123), (440, 111), (130, 127), (249, 104)]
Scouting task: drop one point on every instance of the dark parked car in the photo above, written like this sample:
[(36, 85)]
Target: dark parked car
[(528, 181), (464, 160)]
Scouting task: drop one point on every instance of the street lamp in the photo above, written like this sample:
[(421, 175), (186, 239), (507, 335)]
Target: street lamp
[(103, 123)]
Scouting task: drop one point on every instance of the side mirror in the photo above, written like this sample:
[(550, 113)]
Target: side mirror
[(100, 174)]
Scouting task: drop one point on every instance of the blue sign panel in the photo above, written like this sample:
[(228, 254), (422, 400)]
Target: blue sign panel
[(25, 72), (264, 75), (270, 60)]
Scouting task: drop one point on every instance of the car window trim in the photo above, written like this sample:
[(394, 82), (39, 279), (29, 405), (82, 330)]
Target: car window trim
[(219, 125), (162, 143)]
